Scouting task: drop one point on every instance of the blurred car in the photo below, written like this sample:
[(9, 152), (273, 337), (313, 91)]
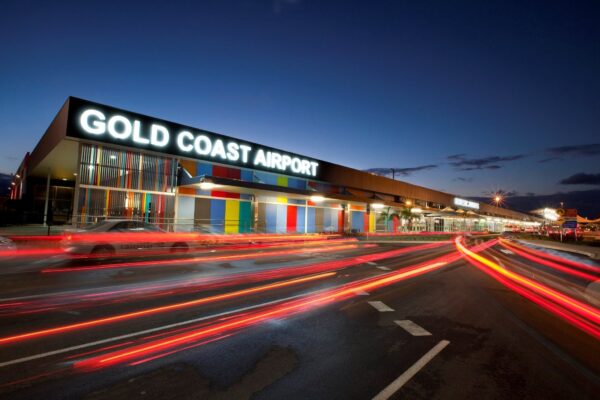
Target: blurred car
[(7, 246), (120, 236)]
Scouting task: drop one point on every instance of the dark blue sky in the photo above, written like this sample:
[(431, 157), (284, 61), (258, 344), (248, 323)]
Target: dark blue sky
[(365, 84)]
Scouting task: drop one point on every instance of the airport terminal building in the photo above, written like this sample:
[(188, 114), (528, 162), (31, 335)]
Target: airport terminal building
[(96, 162)]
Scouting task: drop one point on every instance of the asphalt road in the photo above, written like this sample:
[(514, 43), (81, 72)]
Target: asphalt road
[(293, 322)]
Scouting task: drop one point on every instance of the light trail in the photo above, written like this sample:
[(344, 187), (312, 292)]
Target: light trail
[(212, 258), (156, 310), (549, 264), (283, 310), (552, 257), (586, 314), (170, 342), (210, 284)]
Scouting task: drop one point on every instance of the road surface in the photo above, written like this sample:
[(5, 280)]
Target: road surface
[(340, 320)]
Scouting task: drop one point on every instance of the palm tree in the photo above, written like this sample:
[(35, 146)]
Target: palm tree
[(388, 215), (407, 214)]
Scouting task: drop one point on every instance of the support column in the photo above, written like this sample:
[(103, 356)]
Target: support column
[(46, 204), (75, 207), (306, 216)]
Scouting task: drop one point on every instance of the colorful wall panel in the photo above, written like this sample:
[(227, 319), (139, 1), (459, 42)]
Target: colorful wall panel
[(357, 221)]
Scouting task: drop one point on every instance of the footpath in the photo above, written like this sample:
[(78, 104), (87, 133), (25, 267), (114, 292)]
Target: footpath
[(588, 251)]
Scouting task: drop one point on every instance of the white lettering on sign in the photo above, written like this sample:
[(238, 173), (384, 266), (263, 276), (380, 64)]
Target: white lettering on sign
[(122, 128), (466, 203)]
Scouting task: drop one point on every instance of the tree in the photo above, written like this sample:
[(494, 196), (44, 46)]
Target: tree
[(388, 215), (407, 214)]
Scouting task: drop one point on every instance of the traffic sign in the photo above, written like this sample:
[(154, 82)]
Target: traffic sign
[(570, 224)]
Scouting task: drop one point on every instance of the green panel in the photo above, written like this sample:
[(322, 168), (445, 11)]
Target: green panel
[(245, 216)]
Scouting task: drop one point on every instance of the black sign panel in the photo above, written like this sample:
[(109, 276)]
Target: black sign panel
[(97, 122)]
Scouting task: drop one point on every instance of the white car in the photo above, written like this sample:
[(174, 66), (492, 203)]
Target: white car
[(121, 236), (7, 247)]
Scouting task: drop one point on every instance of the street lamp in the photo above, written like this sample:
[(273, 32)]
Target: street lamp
[(497, 199)]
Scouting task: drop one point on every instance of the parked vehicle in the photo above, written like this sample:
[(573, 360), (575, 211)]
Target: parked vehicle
[(121, 236)]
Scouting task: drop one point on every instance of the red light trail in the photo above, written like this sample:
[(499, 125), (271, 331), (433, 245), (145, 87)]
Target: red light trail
[(571, 310), (156, 310), (547, 263)]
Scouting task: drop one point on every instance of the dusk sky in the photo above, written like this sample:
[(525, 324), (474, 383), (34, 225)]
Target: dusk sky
[(471, 97)]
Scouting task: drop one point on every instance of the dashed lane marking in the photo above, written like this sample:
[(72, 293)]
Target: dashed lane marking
[(412, 328), (361, 293), (380, 306), (383, 268), (393, 387), (506, 251)]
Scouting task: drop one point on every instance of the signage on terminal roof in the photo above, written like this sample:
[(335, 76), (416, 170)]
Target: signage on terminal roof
[(106, 124)]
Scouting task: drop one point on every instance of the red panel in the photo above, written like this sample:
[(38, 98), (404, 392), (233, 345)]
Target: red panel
[(219, 171), (366, 222), (340, 221), (226, 172), (292, 212), (395, 223), (234, 173), (218, 193)]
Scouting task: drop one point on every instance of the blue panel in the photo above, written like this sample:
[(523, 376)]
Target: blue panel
[(185, 213), (271, 218), (245, 196), (300, 219), (246, 175), (281, 218), (311, 228), (203, 169), (266, 178), (217, 215), (186, 208), (358, 220), (326, 219), (297, 183)]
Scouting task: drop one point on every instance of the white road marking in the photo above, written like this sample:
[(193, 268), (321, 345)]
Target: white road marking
[(506, 251), (412, 371), (499, 262), (151, 330), (383, 268), (412, 328), (361, 293), (371, 263), (380, 306)]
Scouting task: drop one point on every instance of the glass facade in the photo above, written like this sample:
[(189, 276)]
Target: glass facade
[(116, 183)]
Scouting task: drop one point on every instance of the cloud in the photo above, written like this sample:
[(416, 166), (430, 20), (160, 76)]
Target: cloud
[(582, 179), (585, 201), (400, 171), (545, 160), (456, 156), (592, 149), (463, 163), (463, 179)]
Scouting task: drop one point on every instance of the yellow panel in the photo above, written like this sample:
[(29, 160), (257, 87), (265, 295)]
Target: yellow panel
[(232, 216), (372, 222), (281, 199)]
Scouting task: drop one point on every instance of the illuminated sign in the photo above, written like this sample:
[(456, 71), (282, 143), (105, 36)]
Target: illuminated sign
[(465, 203), (106, 124)]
